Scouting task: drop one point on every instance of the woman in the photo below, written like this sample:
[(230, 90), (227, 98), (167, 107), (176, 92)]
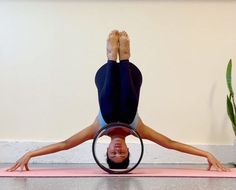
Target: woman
[(118, 87)]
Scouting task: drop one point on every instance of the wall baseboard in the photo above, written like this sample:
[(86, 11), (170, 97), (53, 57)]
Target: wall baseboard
[(10, 151)]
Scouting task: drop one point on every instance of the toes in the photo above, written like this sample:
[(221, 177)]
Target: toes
[(124, 34), (114, 33)]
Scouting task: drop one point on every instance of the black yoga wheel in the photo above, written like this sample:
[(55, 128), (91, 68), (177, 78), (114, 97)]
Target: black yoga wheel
[(133, 142)]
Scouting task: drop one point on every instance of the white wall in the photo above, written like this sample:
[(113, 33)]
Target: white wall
[(50, 51)]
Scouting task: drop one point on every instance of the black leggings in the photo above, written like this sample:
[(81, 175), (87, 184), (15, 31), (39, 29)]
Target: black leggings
[(118, 87)]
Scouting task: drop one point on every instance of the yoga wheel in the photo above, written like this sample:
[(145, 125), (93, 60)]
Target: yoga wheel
[(112, 154)]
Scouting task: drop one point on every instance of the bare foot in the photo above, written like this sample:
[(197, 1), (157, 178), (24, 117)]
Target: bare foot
[(124, 49), (112, 45)]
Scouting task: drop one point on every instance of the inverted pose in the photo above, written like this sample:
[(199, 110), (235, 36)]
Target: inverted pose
[(118, 87)]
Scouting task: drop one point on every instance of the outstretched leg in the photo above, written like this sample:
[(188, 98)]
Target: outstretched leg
[(130, 82), (107, 83)]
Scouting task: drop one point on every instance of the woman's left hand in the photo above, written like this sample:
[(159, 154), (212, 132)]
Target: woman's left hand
[(212, 161)]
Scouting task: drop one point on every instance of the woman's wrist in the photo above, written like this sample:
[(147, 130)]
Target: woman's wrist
[(207, 154), (30, 154)]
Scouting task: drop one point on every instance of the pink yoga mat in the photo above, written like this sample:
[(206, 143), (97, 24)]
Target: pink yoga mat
[(138, 172)]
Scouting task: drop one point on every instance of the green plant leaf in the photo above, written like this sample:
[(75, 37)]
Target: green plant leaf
[(229, 77), (232, 101), (230, 110), (234, 128)]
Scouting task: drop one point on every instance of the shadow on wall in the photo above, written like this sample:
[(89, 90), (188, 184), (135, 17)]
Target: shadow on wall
[(218, 123)]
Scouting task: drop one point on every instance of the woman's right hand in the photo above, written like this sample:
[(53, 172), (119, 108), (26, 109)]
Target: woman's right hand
[(21, 163)]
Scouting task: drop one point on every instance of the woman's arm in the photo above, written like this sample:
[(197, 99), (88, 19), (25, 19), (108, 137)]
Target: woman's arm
[(150, 134), (82, 136)]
